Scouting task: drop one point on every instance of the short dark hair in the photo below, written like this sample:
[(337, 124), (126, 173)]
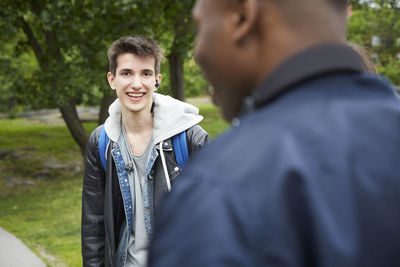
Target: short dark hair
[(297, 12), (340, 4), (135, 44)]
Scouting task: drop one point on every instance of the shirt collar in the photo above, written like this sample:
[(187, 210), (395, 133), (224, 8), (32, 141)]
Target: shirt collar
[(312, 62)]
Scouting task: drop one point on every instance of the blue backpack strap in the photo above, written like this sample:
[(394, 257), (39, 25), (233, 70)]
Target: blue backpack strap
[(180, 148), (103, 142)]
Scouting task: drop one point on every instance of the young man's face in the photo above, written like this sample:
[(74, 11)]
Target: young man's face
[(134, 82)]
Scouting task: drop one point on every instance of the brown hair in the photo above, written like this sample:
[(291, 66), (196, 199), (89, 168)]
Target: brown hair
[(365, 57), (135, 44)]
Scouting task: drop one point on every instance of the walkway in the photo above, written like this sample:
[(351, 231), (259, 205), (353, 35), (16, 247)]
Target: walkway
[(14, 253)]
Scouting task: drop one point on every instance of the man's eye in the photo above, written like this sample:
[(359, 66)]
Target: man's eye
[(147, 74), (125, 73)]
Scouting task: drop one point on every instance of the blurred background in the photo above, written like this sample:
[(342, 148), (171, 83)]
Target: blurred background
[(53, 93)]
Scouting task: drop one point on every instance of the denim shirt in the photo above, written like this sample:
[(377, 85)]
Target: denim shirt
[(122, 173)]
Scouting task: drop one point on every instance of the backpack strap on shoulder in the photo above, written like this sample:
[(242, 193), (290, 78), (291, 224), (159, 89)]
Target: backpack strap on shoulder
[(180, 149), (103, 142)]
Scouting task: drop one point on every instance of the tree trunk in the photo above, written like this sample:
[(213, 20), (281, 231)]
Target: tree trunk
[(108, 99), (68, 111), (71, 118), (176, 75)]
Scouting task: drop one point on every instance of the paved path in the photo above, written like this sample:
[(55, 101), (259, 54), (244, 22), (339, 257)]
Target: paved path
[(14, 253)]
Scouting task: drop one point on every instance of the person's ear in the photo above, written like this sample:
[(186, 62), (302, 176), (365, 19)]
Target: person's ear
[(245, 17), (158, 81), (110, 79)]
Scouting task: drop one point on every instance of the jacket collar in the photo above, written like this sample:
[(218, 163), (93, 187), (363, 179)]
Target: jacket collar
[(310, 63)]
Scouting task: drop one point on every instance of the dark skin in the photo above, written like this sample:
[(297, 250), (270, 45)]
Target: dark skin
[(240, 42)]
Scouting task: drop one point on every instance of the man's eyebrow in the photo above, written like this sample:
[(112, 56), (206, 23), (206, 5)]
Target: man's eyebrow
[(124, 70), (148, 70)]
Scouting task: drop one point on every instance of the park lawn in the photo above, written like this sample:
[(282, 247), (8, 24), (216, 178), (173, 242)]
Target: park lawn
[(46, 216)]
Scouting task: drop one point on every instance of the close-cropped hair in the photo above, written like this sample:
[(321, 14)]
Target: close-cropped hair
[(340, 4), (135, 44)]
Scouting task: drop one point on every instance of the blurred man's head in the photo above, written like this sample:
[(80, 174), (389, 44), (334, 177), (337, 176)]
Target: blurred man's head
[(239, 42)]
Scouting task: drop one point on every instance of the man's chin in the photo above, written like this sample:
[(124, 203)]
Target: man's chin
[(227, 113), (225, 108)]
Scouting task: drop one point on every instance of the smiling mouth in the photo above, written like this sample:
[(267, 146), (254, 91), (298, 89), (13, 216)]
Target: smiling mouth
[(135, 96)]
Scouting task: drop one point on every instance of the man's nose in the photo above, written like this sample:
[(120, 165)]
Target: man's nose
[(136, 82)]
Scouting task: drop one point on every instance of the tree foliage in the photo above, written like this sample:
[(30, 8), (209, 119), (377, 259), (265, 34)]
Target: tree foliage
[(376, 26)]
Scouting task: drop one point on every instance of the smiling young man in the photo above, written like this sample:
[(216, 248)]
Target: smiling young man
[(120, 199), (309, 175)]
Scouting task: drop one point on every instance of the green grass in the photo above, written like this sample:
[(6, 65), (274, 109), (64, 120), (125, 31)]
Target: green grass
[(46, 216), (47, 219), (212, 122)]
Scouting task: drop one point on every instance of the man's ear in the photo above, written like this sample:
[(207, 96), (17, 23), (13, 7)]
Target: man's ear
[(110, 79), (158, 80), (246, 12)]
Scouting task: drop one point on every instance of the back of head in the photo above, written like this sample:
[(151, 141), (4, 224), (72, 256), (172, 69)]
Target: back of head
[(135, 44), (315, 16), (339, 5)]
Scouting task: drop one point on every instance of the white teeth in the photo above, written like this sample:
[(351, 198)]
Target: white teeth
[(135, 94)]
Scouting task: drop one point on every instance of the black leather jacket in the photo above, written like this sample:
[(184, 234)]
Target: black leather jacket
[(102, 205)]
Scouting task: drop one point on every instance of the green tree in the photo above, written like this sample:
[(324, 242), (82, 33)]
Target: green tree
[(378, 20), (68, 40), (178, 17), (47, 26)]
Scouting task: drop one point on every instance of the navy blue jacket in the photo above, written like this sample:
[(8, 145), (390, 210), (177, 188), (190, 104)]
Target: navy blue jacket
[(309, 177)]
